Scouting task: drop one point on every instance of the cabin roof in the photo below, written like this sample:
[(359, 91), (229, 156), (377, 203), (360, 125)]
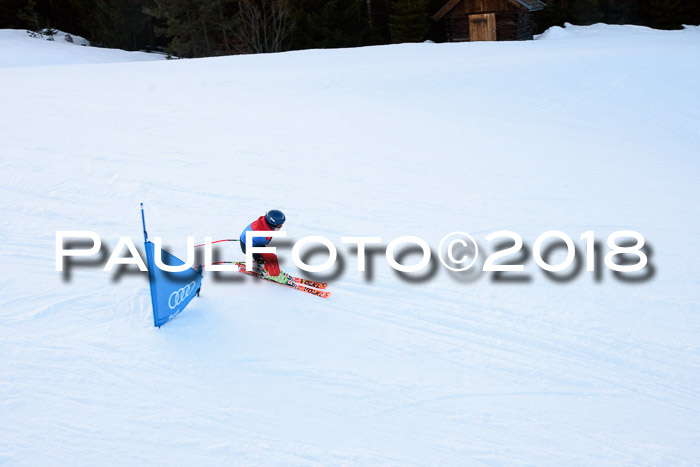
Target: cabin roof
[(529, 5)]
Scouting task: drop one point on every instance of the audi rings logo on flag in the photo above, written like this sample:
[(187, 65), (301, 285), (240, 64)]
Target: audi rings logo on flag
[(180, 295)]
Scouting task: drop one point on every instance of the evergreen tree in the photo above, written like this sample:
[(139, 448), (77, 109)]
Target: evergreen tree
[(666, 14), (29, 15), (693, 13), (585, 12), (409, 21), (196, 28), (621, 12), (122, 24), (331, 23), (553, 15)]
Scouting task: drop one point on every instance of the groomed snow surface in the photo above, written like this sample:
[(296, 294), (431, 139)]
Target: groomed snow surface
[(584, 129)]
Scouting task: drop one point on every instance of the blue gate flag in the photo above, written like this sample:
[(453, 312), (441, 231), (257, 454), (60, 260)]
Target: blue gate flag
[(171, 292)]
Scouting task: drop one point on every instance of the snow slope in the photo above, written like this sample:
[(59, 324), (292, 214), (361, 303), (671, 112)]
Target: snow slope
[(21, 48), (584, 129)]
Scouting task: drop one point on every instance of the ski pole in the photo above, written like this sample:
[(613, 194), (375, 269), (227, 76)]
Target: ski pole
[(219, 241)]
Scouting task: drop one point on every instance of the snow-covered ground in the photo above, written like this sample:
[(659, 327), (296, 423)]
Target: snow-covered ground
[(24, 48), (584, 129)]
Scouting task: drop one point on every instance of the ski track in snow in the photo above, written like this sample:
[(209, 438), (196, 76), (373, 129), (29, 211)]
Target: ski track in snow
[(589, 128)]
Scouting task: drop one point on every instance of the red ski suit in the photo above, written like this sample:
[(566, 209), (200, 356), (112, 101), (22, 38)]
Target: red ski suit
[(260, 225)]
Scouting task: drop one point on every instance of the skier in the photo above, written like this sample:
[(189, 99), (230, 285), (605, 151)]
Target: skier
[(271, 221)]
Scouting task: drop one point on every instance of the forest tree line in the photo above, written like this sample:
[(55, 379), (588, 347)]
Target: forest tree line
[(199, 28)]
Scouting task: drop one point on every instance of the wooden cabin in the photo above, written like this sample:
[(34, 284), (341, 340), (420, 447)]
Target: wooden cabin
[(488, 20)]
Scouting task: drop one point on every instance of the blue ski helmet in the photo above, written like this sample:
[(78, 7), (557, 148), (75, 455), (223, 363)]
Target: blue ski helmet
[(274, 218)]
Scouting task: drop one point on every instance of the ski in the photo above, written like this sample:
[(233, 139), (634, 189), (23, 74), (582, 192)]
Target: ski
[(318, 293), (293, 284), (298, 280), (302, 281)]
